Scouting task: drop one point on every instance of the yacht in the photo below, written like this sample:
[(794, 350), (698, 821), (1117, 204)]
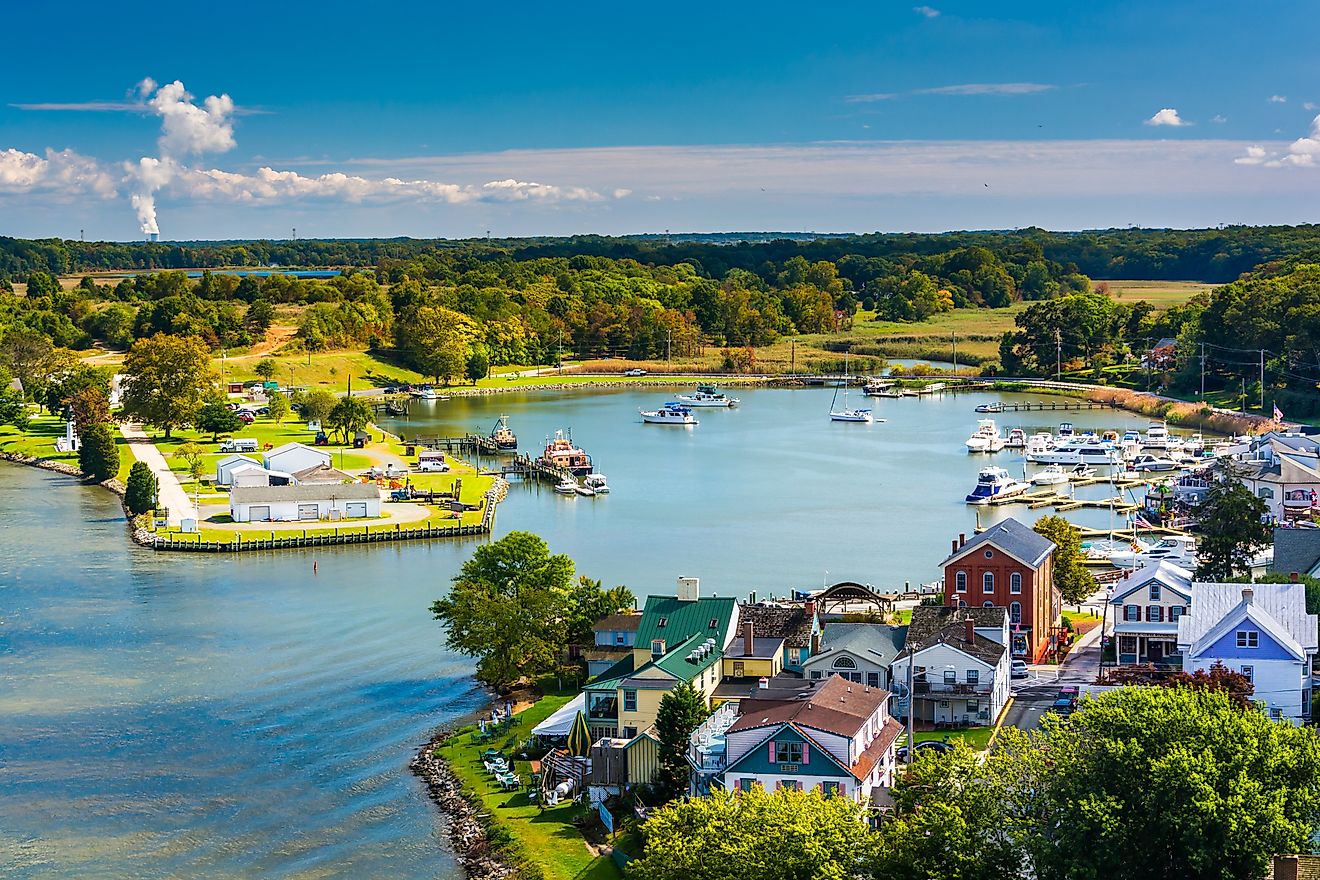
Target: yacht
[(1146, 462), (995, 482), (1177, 549), (561, 453), (566, 487), (986, 437), (425, 392), (1131, 435), (990, 408), (669, 414), (505, 440), (596, 482), (1041, 441), (1050, 475), (1076, 452), (1194, 445), (1017, 439), (1157, 437), (879, 388), (1065, 430), (846, 414), (707, 395)]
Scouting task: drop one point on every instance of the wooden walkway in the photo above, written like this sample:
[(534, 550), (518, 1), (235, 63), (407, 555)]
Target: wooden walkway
[(1042, 406), (534, 469)]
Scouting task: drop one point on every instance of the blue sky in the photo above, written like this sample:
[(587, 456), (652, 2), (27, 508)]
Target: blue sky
[(447, 119)]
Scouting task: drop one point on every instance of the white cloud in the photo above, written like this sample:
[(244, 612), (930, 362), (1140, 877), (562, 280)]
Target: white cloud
[(1301, 153), (962, 89), (187, 128), (927, 11), (1278, 99), (1167, 116), (1255, 155), (64, 173), (1311, 105), (1218, 119)]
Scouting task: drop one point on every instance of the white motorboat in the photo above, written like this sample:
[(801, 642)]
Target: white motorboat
[(669, 414), (1082, 470), (844, 413), (1065, 430), (879, 388), (1146, 462), (707, 396), (1178, 549), (986, 437), (1041, 441), (597, 483), (1194, 445), (890, 393), (995, 482), (567, 487), (586, 491), (1076, 452), (990, 408), (1017, 439), (1157, 437), (425, 392), (1050, 475)]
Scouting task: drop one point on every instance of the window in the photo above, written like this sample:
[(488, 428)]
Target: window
[(1154, 591), (619, 638), (630, 701), (962, 604), (1175, 612), (973, 707), (1265, 492), (746, 783), (829, 788), (1015, 612), (788, 753), (950, 676), (1249, 672), (988, 582), (662, 622), (973, 676), (989, 554), (815, 673), (629, 732), (1015, 582), (790, 784), (960, 582), (844, 663), (987, 604), (713, 623), (1154, 614), (1131, 613), (1248, 638), (873, 679)]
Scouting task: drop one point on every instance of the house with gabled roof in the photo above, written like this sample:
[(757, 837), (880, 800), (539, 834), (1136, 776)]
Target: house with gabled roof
[(859, 652), (839, 740), (1146, 607), (681, 638), (1259, 630), (1283, 470), (960, 665), (1296, 551), (1008, 566), (796, 625)]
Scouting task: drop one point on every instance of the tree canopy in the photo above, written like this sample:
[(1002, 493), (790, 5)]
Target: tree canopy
[(166, 379), (1233, 528), (1073, 581)]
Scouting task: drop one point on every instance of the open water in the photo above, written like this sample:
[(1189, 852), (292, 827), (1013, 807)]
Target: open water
[(171, 715)]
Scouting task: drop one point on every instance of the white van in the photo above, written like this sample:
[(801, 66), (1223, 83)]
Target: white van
[(239, 444)]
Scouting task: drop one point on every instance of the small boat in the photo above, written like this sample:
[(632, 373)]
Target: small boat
[(596, 482), (1157, 437), (878, 387), (1178, 549), (1131, 435), (1145, 463), (561, 453), (990, 408), (505, 440), (707, 395), (891, 393), (986, 437), (669, 414), (585, 491), (1109, 437), (395, 408), (567, 487), (1194, 445), (995, 482), (1017, 439), (1082, 470), (1051, 475), (425, 392), (845, 414)]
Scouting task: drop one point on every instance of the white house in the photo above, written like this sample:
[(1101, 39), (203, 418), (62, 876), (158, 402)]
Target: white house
[(1259, 630), (840, 740), (960, 664), (225, 467), (860, 652), (294, 457), (304, 503), (1146, 606), (1283, 470)]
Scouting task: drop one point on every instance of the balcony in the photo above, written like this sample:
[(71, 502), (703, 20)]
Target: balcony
[(952, 688), (1298, 499)]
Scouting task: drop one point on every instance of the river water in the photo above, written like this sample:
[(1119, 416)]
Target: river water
[(176, 715)]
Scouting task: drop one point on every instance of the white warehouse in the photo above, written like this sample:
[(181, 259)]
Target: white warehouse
[(304, 503)]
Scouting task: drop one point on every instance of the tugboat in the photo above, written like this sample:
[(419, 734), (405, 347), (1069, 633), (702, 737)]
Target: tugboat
[(505, 440), (561, 453)]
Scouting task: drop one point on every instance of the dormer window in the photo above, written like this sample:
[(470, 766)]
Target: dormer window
[(714, 622), (662, 622), (657, 647)]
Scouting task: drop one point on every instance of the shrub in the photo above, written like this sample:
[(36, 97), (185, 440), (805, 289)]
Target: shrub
[(98, 456), (140, 493)]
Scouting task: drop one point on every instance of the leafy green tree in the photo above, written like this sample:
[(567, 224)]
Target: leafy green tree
[(681, 711), (436, 341), (13, 411), (166, 379), (195, 455), (89, 407), (478, 365), (587, 603), (279, 408), (140, 491), (948, 822), (98, 454), (215, 418), (266, 368), (259, 316), (755, 835), (1234, 528), (31, 357), (350, 415), (1072, 579), (1175, 783), (505, 608), (317, 404)]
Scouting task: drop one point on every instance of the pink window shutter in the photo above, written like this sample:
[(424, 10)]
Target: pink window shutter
[(806, 755), (772, 751)]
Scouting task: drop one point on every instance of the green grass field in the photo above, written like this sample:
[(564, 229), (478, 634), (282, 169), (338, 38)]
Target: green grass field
[(1160, 294), (38, 441), (977, 738)]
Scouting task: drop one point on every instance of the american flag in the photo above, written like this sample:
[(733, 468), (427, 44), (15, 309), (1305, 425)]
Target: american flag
[(1278, 413)]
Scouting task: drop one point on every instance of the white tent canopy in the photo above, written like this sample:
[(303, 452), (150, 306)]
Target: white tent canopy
[(561, 721)]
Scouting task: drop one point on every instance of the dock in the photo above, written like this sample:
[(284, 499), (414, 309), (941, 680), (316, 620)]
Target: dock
[(530, 468), (1053, 405), (468, 444)]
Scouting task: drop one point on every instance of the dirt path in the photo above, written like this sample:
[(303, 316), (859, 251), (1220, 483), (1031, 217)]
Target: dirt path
[(276, 336)]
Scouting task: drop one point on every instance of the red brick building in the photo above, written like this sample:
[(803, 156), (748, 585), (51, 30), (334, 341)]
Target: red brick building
[(1008, 566)]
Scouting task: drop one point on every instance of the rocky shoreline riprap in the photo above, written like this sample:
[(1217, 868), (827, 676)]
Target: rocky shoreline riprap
[(467, 835)]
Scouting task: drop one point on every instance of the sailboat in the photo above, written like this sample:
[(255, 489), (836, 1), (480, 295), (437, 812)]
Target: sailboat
[(845, 414)]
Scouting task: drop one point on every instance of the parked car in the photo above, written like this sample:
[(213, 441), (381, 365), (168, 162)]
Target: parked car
[(930, 745), (635, 371), (1019, 669), (1071, 693), (1063, 706), (247, 416)]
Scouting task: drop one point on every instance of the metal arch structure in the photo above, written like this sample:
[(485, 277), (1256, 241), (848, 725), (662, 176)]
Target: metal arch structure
[(846, 593)]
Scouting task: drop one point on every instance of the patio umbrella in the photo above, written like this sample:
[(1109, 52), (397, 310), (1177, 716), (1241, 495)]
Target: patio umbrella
[(579, 737)]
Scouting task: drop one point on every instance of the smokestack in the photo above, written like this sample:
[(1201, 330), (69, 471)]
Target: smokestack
[(749, 631), (962, 539), (153, 236), (969, 630)]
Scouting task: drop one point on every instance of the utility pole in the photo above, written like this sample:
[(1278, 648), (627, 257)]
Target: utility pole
[(792, 357), (1262, 380), (1058, 355), (911, 711), (669, 350), (955, 353), (1203, 371)]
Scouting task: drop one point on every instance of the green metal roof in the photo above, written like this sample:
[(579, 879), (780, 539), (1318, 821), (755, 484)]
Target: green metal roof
[(675, 660), (675, 621), (610, 678)]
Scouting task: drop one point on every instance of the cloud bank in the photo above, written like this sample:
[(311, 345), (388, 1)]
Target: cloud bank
[(962, 89)]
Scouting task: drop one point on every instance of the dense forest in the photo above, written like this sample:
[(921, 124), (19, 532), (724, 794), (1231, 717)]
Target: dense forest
[(1208, 255)]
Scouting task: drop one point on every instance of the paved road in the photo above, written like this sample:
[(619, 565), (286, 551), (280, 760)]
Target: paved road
[(171, 494), (1033, 696)]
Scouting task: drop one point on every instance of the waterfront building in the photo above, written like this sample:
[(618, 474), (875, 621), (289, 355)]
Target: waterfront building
[(1146, 606), (960, 665), (303, 503), (1008, 566), (294, 457), (1283, 470), (859, 652), (1259, 630), (839, 740)]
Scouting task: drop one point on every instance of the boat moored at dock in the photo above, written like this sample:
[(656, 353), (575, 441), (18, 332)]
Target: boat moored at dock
[(993, 483), (986, 437), (561, 453), (503, 438), (596, 483)]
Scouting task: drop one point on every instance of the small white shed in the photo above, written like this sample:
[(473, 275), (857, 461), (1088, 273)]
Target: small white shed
[(225, 467), (256, 475), (294, 457), (304, 503)]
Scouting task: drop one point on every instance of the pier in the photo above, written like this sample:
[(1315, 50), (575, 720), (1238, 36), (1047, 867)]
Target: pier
[(468, 444), (1048, 406), (534, 469)]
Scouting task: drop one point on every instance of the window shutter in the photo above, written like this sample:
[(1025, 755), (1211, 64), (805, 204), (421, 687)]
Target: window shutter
[(772, 751), (806, 755)]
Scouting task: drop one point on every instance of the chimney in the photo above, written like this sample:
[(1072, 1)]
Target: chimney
[(1294, 577), (748, 640), (969, 629), (689, 589), (954, 542), (810, 607), (815, 643), (962, 539), (1248, 594)]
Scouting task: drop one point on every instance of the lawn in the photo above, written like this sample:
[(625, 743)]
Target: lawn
[(546, 837), (1160, 294), (38, 441), (976, 738)]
